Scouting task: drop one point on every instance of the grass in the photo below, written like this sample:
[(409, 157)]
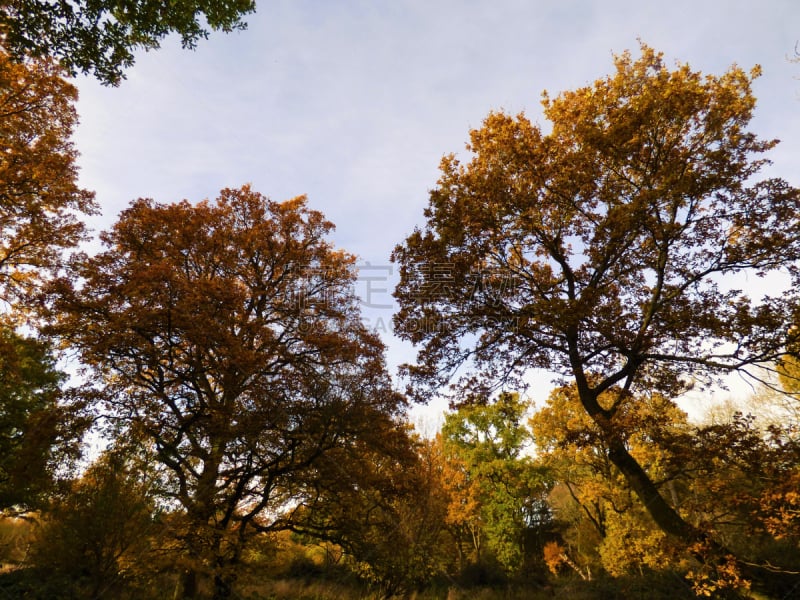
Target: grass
[(659, 588)]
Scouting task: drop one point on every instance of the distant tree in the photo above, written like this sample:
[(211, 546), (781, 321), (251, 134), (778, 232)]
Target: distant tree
[(504, 487), (40, 200), (226, 335), (40, 425), (463, 519), (599, 250), (101, 37), (387, 510)]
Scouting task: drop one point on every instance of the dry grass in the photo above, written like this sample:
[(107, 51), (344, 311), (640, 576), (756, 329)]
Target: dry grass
[(15, 538), (658, 588), (288, 589)]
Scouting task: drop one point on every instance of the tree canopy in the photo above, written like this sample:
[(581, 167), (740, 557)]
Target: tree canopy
[(227, 336), (596, 250), (601, 249), (40, 200), (100, 37)]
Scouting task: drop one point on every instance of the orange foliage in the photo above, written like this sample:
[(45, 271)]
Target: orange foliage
[(39, 194), (227, 337)]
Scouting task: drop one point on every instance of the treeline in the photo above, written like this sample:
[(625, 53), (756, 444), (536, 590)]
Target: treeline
[(523, 502), (252, 433)]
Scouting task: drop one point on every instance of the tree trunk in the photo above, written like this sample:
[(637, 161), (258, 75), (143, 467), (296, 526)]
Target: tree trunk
[(664, 515), (672, 523), (222, 587), (225, 566), (186, 588)]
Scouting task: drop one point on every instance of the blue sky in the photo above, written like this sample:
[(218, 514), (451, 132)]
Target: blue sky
[(354, 103)]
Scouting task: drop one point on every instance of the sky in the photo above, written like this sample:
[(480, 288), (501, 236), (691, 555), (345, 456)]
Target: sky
[(354, 103)]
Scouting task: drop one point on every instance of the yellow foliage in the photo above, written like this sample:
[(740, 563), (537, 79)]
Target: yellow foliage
[(633, 542)]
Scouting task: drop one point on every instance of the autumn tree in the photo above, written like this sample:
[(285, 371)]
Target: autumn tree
[(41, 203), (101, 37), (40, 200), (463, 519), (226, 335), (603, 522), (605, 250)]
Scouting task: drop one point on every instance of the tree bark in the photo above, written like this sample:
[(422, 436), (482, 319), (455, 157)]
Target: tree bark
[(222, 587), (673, 524), (664, 515), (186, 588)]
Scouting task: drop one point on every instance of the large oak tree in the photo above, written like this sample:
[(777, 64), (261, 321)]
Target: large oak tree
[(603, 248), (227, 337)]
